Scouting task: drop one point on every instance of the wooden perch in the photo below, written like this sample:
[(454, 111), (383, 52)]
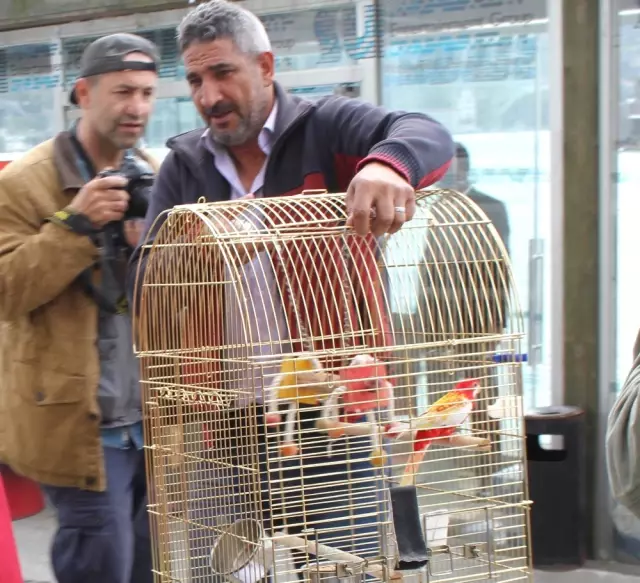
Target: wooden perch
[(361, 429)]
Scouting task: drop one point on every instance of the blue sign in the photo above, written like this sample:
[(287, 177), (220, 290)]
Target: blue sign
[(27, 68)]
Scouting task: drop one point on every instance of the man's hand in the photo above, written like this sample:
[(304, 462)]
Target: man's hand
[(102, 200), (379, 200)]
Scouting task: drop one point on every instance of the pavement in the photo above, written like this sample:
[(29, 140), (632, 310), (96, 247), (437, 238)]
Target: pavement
[(33, 537)]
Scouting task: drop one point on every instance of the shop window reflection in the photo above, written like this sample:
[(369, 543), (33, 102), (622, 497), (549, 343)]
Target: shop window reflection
[(490, 86), (320, 38), (628, 203), (27, 105), (171, 116)]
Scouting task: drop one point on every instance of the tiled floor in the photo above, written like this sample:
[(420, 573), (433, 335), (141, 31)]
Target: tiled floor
[(34, 534)]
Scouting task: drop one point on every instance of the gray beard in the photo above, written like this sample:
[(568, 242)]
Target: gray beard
[(247, 129), (242, 134)]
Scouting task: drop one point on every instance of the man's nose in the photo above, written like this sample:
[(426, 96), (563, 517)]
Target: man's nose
[(138, 105), (210, 93)]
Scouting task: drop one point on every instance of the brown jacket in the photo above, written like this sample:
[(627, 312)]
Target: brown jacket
[(49, 367)]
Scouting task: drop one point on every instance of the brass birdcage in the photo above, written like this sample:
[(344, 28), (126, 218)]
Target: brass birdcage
[(322, 406)]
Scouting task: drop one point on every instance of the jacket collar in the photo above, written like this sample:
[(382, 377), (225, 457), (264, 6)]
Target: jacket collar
[(66, 162), (64, 158), (290, 109)]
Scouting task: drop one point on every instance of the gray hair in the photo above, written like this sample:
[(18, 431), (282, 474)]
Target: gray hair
[(218, 19)]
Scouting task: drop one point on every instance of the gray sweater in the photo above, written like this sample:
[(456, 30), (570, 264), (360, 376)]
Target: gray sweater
[(623, 441)]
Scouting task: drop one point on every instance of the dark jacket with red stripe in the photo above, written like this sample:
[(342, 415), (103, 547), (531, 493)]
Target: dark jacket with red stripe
[(317, 145)]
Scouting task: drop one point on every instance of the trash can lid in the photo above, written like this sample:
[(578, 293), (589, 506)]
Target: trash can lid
[(554, 411)]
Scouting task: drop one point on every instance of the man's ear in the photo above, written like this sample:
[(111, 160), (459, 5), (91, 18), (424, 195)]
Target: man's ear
[(84, 86), (83, 90), (266, 63)]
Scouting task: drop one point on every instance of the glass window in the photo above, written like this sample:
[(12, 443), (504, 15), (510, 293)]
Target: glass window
[(627, 200), (72, 49), (625, 206), (27, 106), (171, 66), (314, 92), (321, 38), (171, 116), (170, 63), (484, 72)]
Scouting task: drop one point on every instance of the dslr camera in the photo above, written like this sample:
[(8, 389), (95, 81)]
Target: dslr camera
[(140, 177)]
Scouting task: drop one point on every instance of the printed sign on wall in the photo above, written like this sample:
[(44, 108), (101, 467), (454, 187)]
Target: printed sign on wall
[(410, 16), (27, 68), (311, 39), (415, 34), (440, 42)]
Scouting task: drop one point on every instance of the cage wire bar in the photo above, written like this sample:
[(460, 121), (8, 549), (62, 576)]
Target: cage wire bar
[(303, 386)]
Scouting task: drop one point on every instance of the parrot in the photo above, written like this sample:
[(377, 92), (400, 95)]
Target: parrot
[(442, 419)]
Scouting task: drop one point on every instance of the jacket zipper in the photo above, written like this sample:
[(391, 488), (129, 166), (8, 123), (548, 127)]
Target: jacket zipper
[(279, 145)]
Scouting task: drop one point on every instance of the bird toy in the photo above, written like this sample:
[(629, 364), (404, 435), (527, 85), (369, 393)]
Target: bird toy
[(363, 389)]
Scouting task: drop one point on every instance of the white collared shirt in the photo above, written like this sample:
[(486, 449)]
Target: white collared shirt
[(258, 322), (225, 165)]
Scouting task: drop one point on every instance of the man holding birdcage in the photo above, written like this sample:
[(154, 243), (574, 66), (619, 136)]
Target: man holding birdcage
[(262, 142)]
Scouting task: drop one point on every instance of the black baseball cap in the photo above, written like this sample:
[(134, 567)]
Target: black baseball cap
[(108, 55)]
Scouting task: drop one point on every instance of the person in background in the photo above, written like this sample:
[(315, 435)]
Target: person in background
[(482, 286), (261, 141), (70, 407), (457, 178)]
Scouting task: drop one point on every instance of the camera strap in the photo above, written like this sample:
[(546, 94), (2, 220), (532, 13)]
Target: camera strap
[(112, 297)]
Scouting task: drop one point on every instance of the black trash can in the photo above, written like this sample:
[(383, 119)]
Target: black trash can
[(557, 485)]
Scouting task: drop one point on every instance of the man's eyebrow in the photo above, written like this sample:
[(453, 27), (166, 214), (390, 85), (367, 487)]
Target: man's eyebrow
[(212, 69), (220, 66), (131, 87)]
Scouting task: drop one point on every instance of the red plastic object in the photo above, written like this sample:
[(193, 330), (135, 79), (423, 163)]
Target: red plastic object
[(10, 569), (23, 495)]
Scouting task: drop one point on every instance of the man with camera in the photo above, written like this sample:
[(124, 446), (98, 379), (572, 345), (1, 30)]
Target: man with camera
[(70, 408)]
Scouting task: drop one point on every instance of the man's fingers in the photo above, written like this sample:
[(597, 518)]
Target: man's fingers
[(398, 220), (109, 182), (384, 210), (112, 195), (403, 208), (113, 205), (411, 205), (359, 201)]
